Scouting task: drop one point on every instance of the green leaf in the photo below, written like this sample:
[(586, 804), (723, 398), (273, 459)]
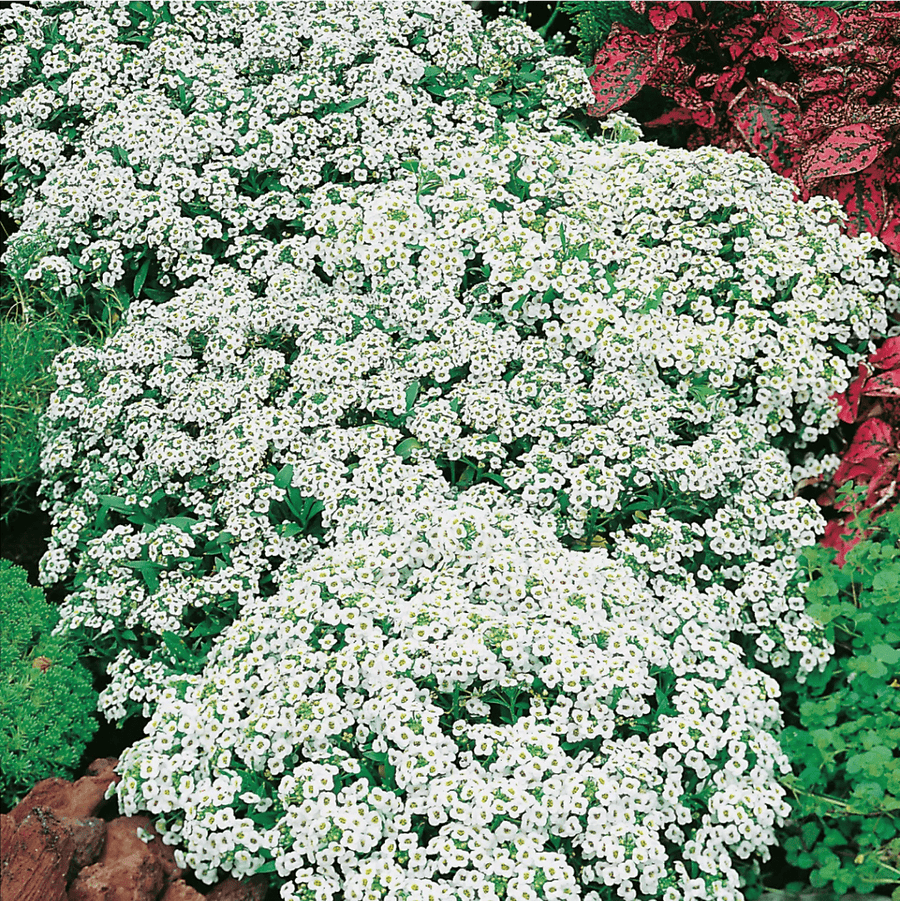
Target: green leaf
[(412, 392), (177, 646), (405, 448), (285, 476), (208, 627), (159, 295), (149, 570), (886, 579), (886, 653), (467, 477), (350, 104), (289, 529), (140, 278), (182, 522), (114, 503)]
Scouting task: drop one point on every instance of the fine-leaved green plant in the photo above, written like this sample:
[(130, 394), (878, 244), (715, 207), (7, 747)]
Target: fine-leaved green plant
[(47, 701), (34, 328)]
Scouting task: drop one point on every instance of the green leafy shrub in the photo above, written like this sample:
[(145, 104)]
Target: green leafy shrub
[(846, 805), (47, 702)]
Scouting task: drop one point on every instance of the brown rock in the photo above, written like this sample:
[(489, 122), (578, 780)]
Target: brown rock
[(103, 766), (52, 838), (39, 859), (89, 835), (179, 890), (78, 800), (134, 878), (123, 841), (7, 831), (48, 793), (231, 889)]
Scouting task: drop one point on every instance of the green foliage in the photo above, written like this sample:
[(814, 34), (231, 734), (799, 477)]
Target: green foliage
[(847, 735), (34, 329), (47, 701)]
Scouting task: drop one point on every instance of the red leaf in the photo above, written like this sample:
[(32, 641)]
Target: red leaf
[(873, 438), (674, 117), (881, 116), (863, 196), (623, 65), (764, 114), (726, 81), (662, 19), (639, 6), (845, 151), (890, 231), (821, 83), (849, 402), (803, 24), (833, 538), (885, 384), (766, 46), (881, 493), (888, 355)]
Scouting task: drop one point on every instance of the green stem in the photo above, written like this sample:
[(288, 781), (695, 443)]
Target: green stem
[(543, 30)]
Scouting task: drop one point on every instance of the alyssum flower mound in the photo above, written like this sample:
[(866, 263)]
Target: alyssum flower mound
[(455, 706), (223, 432), (372, 455), (144, 142)]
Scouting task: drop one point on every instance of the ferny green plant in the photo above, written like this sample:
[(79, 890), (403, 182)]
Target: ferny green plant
[(47, 701)]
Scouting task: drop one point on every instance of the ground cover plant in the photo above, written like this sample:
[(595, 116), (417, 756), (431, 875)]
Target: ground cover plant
[(47, 702), (847, 792), (475, 448)]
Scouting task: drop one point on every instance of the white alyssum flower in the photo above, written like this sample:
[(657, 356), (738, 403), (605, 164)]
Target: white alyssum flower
[(497, 727), (431, 499)]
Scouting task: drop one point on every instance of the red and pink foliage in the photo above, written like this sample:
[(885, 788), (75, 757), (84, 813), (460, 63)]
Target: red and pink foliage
[(873, 459), (833, 127)]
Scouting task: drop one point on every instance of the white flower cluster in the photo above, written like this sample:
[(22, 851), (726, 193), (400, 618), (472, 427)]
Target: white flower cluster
[(449, 403), (456, 707), (170, 137), (200, 402)]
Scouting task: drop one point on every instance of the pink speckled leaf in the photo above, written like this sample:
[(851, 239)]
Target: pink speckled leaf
[(622, 67), (887, 356), (872, 439), (766, 116), (845, 151), (885, 384)]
